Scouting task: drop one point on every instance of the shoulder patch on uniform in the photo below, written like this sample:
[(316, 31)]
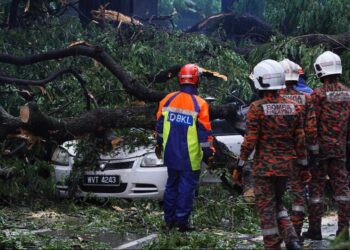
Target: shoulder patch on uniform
[(297, 98), (338, 96), (275, 109)]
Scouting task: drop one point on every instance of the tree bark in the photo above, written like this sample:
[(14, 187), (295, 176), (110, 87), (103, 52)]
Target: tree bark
[(9, 124), (337, 43), (45, 126), (13, 15), (236, 27), (132, 87), (60, 130)]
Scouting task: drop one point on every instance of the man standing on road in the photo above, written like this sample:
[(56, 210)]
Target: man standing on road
[(300, 178), (275, 131), (332, 106), (184, 135)]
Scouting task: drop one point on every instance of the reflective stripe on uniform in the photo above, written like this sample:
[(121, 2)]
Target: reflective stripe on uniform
[(270, 231), (194, 150), (297, 208), (314, 148), (316, 200), (342, 198), (205, 144), (302, 162), (282, 214), (181, 111)]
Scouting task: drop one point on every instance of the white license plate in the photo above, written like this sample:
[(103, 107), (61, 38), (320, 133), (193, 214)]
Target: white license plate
[(110, 180)]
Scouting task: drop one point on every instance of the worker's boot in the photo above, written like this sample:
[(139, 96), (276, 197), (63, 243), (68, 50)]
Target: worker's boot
[(186, 228), (293, 245), (312, 234)]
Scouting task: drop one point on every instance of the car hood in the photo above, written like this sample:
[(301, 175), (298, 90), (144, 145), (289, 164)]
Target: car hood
[(120, 153)]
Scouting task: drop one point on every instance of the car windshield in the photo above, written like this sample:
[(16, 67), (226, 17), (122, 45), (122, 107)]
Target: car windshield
[(222, 127)]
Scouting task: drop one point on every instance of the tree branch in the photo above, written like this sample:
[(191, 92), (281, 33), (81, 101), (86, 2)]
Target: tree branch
[(40, 124), (50, 78), (135, 89)]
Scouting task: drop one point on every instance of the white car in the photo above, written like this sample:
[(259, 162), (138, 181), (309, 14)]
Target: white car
[(123, 174)]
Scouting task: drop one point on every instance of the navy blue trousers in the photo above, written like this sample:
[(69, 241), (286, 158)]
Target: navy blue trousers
[(179, 196)]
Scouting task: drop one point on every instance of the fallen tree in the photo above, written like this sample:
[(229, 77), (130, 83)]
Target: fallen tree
[(33, 123), (337, 43), (236, 27)]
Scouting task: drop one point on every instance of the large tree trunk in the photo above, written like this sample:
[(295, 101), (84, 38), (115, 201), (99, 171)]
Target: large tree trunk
[(42, 125), (60, 130), (13, 15), (226, 5), (236, 27)]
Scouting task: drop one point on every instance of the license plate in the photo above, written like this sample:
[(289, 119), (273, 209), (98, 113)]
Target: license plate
[(108, 180)]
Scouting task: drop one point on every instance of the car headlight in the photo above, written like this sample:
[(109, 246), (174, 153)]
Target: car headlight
[(60, 157), (151, 160)]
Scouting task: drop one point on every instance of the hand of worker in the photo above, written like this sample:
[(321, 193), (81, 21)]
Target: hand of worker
[(305, 176), (210, 162), (237, 172), (158, 151)]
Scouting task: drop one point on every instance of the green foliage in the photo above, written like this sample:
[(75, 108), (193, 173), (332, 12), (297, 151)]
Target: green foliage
[(152, 51), (28, 180), (255, 7), (303, 17), (341, 242), (204, 7), (288, 47)]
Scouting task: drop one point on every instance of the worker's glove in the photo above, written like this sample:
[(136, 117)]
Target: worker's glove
[(305, 174), (237, 172), (158, 151), (210, 162)]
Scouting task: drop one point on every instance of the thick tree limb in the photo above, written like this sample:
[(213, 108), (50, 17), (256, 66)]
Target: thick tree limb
[(50, 78), (13, 18), (133, 88), (138, 90), (337, 43), (89, 122), (9, 124), (42, 125), (236, 27), (164, 75)]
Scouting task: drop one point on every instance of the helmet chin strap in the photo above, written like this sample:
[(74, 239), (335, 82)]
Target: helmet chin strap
[(264, 85)]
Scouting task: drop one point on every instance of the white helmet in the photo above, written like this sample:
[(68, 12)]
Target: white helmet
[(291, 70), (327, 64), (268, 75)]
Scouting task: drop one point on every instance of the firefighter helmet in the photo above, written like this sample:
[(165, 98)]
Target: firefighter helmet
[(268, 75), (291, 70), (327, 64)]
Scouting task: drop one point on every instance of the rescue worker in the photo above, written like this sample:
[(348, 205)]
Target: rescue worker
[(299, 179), (184, 136), (301, 85), (275, 131), (332, 106)]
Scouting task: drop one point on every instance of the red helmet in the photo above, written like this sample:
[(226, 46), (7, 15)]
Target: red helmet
[(189, 74)]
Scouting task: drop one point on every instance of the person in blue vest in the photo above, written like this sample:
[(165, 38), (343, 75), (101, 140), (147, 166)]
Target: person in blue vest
[(301, 85), (184, 139)]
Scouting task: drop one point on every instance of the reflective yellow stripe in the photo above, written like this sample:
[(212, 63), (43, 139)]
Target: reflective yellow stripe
[(194, 149), (166, 130)]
